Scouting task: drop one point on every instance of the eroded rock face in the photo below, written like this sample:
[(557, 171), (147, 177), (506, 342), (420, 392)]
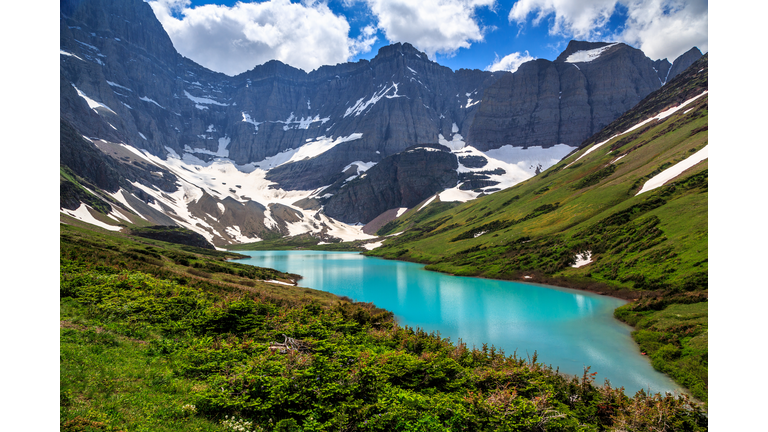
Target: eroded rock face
[(122, 81), (401, 180), (684, 62), (562, 102), (173, 234), (160, 101)]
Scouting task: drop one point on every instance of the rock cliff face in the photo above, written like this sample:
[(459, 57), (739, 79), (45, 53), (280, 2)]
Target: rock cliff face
[(565, 101), (401, 180), (123, 86), (683, 62), (117, 54)]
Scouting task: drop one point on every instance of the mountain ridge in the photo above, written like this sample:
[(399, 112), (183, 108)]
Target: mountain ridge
[(123, 85)]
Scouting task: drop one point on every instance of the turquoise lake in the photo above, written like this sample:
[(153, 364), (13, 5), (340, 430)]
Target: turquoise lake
[(568, 329)]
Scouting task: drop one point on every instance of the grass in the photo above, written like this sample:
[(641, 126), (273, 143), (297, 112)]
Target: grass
[(652, 245), (111, 379), (145, 347), (675, 338)]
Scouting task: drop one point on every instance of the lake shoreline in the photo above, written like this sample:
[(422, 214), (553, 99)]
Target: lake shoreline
[(515, 311), (590, 286)]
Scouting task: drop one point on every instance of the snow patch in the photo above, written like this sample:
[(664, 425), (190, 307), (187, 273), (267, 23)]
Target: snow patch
[(661, 116), (528, 159), (456, 194), (361, 166), (456, 142), (372, 246), (427, 203), (146, 99), (82, 213), (220, 152), (92, 103), (62, 52), (587, 55), (118, 86), (247, 119), (427, 149), (309, 150), (202, 100), (359, 107), (668, 174), (235, 233), (401, 211), (582, 259)]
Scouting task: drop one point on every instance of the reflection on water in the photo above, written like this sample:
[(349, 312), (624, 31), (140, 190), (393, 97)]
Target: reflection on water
[(569, 329)]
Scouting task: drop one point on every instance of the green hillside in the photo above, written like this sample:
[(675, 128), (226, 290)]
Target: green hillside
[(165, 337), (650, 247)]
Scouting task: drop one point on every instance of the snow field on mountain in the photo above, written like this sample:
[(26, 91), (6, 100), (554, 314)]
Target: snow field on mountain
[(62, 52), (456, 142), (372, 246), (427, 202), (234, 232), (92, 103), (528, 159), (83, 213), (668, 174), (359, 107), (221, 178), (661, 116), (587, 55), (309, 150), (456, 194)]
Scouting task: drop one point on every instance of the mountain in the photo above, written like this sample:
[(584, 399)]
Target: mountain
[(646, 170), (625, 215), (567, 100), (151, 137)]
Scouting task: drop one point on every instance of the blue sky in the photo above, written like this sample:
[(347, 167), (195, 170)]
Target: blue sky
[(232, 37)]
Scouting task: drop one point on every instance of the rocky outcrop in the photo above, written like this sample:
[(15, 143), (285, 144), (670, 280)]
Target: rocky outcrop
[(173, 234), (155, 99), (122, 82), (401, 180), (562, 102), (661, 67), (683, 62)]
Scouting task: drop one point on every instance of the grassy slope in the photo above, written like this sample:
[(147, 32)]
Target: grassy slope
[(163, 337), (651, 246)]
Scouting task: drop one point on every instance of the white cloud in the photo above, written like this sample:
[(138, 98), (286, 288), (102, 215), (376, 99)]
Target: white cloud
[(433, 26), (667, 35), (510, 62), (661, 28), (235, 39), (577, 18)]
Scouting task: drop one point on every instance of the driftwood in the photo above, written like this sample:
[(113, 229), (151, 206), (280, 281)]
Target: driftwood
[(289, 344)]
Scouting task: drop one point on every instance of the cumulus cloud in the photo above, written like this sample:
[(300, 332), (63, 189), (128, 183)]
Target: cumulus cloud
[(661, 28), (433, 26), (510, 62), (666, 29), (235, 39)]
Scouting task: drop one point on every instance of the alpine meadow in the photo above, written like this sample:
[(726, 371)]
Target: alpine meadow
[(385, 243)]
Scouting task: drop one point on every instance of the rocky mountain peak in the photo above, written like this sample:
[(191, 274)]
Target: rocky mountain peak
[(273, 69), (129, 21), (575, 46), (683, 62), (399, 49)]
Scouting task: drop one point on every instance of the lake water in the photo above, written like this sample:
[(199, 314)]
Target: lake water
[(569, 329)]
